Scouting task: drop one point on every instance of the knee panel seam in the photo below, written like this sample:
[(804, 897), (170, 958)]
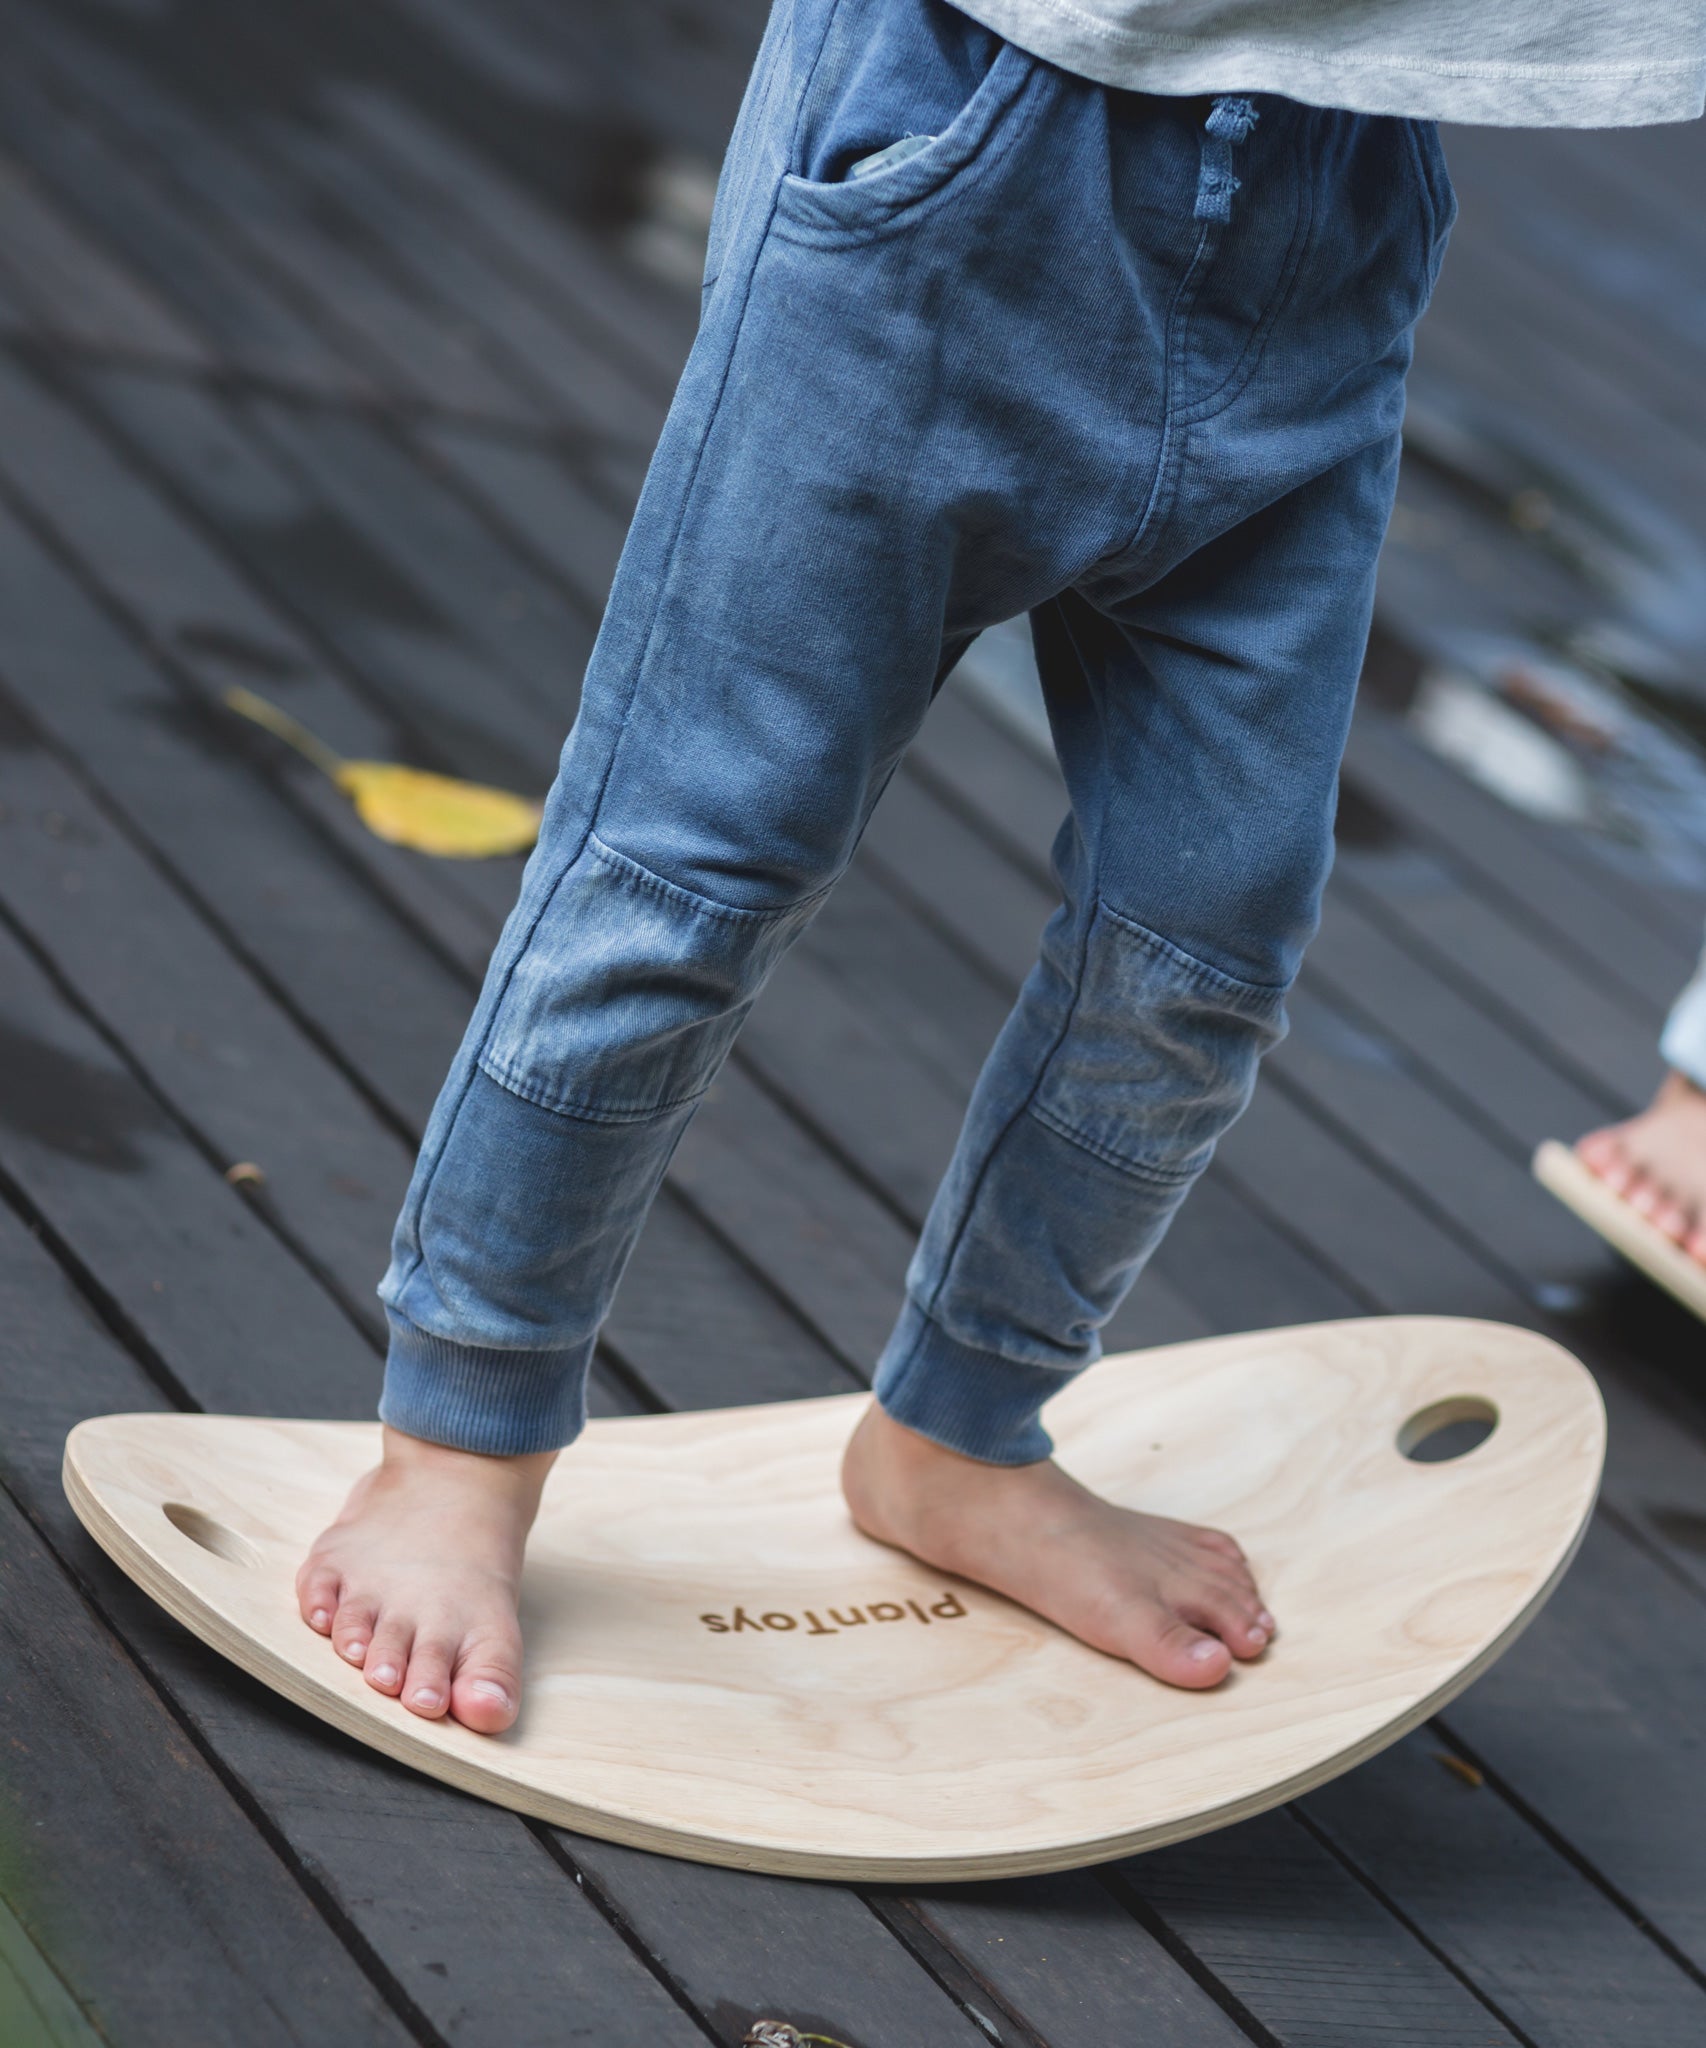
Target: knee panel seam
[(1174, 1177), (1158, 1054), (573, 1111), (644, 877), (626, 996), (1188, 963)]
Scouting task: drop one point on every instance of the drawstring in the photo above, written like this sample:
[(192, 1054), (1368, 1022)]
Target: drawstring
[(1230, 120)]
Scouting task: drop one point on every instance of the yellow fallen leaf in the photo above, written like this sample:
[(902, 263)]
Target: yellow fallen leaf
[(1460, 1767), (436, 814)]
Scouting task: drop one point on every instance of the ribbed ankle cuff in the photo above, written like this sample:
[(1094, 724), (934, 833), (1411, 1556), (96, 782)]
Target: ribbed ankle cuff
[(504, 1403), (975, 1402)]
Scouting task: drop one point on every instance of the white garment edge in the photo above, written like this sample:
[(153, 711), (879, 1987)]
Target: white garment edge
[(1587, 95)]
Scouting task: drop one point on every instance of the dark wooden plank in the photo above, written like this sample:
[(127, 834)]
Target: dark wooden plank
[(481, 1929), (81, 295), (251, 324), (580, 279), (500, 605), (537, 353), (1438, 1148), (836, 1252), (743, 1947), (1567, 1968), (1588, 1728), (114, 1821), (445, 695), (1469, 1056), (117, 1181), (1066, 1957), (306, 240), (204, 1033), (536, 499), (354, 975), (1511, 861), (1304, 1946), (1581, 1026), (36, 2010)]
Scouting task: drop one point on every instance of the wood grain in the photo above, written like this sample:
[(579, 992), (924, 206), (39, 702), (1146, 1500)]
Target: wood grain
[(700, 1682), (1557, 1168)]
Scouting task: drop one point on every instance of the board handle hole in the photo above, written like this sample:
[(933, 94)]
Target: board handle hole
[(211, 1535), (1448, 1429)]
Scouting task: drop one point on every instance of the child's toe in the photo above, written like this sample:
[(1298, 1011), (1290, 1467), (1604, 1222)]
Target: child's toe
[(427, 1690), (352, 1627), (1171, 1648), (319, 1588), (388, 1655), (487, 1692)]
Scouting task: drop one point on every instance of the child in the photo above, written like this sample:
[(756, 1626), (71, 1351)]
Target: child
[(1118, 339)]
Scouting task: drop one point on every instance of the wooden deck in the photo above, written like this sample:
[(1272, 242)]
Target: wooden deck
[(332, 343)]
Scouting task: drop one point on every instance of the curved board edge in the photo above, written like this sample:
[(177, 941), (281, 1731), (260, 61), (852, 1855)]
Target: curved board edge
[(604, 1822)]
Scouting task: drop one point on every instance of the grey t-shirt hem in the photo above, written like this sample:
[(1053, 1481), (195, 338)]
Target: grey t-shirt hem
[(1595, 95)]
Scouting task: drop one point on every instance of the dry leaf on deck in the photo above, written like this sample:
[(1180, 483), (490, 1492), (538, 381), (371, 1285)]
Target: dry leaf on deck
[(412, 807)]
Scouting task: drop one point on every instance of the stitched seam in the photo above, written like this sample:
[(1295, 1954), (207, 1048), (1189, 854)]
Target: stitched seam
[(713, 411), (927, 1309), (1199, 970), (1165, 480), (1158, 1177), (1238, 377), (985, 157), (706, 906), (573, 1109)]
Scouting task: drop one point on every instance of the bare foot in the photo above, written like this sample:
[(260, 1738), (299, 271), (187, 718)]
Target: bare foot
[(1177, 1600), (416, 1581), (1657, 1162)]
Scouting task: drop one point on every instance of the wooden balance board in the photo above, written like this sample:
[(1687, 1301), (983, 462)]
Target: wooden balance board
[(1624, 1228), (720, 1666)]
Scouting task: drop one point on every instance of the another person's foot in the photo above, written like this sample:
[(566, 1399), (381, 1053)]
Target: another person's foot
[(1178, 1600), (416, 1581), (1657, 1162)]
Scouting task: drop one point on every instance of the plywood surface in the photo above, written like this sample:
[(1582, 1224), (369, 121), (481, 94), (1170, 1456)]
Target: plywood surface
[(721, 1666), (1624, 1228)]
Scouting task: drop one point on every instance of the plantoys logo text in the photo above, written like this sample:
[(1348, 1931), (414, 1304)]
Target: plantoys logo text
[(948, 1608)]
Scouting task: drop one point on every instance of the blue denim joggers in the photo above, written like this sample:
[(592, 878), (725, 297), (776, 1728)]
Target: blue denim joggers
[(1133, 365)]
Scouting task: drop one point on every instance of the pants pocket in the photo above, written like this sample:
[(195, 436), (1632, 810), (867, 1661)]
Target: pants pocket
[(890, 69)]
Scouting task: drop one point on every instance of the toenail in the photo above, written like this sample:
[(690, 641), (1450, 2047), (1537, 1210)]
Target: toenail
[(320, 1618), (1202, 1651), (1258, 1636), (426, 1697), (490, 1690), (355, 1652), (1265, 1620), (384, 1674)]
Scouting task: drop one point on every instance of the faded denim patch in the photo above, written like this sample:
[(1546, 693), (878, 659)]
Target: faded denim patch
[(630, 991), (1161, 1054)]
